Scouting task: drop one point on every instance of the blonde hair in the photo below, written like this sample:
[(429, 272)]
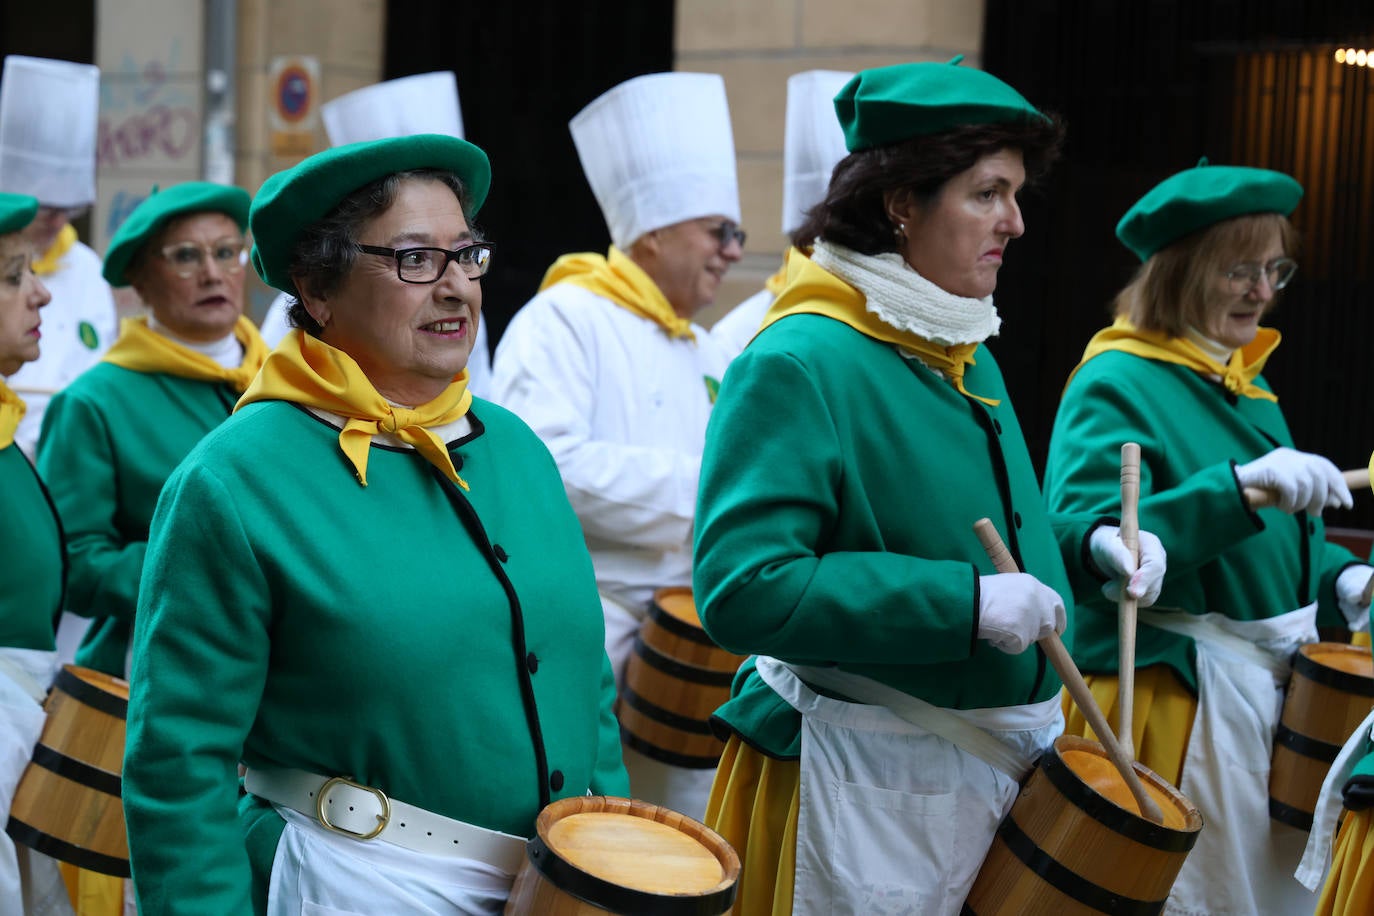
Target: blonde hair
[(1170, 292)]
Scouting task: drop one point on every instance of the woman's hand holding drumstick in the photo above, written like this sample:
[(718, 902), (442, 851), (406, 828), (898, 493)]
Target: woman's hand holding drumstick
[(1054, 650), (1292, 481)]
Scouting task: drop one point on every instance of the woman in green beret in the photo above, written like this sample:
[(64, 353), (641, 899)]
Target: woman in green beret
[(853, 446), (31, 545), (1180, 372), (111, 438), (367, 586)]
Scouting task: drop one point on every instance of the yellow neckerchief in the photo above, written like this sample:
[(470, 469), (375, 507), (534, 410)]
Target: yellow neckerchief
[(12, 409), (815, 291), (1238, 375), (305, 370), (141, 349), (621, 280), (47, 264), (775, 283)]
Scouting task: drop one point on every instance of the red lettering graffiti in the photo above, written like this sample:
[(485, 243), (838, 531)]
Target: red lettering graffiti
[(172, 132)]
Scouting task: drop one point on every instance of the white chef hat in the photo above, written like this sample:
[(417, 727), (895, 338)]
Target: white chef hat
[(426, 103), (658, 150), (814, 142), (49, 111)]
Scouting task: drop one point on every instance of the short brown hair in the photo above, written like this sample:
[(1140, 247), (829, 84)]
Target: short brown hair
[(1170, 292)]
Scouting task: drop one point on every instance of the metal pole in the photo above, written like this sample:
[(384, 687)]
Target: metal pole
[(221, 64)]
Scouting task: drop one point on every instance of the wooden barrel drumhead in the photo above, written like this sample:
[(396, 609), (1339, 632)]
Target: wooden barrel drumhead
[(1075, 842), (674, 629), (67, 804), (598, 854), (1330, 693)]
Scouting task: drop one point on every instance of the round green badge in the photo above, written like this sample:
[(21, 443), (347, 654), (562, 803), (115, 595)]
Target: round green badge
[(86, 331)]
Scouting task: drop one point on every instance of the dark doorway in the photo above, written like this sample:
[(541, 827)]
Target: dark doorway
[(1148, 87), (524, 69)]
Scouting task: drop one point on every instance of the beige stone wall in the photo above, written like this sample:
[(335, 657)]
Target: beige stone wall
[(345, 39), (757, 44)]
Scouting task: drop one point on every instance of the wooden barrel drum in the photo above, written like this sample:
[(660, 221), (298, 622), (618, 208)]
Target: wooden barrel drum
[(67, 803), (1330, 693), (674, 680), (594, 854), (1075, 843)]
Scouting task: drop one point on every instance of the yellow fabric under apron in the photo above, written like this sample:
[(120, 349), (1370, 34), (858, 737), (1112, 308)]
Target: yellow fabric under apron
[(1349, 888), (92, 893), (1161, 720), (753, 805)]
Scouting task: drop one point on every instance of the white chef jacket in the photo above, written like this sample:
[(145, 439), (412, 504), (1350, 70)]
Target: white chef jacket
[(623, 408)]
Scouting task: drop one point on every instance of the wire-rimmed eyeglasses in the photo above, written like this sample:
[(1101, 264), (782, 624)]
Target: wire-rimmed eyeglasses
[(188, 258), (427, 265), (1245, 277)]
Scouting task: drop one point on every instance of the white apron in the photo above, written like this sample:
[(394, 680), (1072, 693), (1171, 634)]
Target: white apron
[(1316, 858), (30, 884), (893, 818), (319, 873), (1243, 862)]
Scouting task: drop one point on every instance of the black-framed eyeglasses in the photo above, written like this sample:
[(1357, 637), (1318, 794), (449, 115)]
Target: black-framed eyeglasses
[(1245, 277), (188, 258), (728, 232), (427, 265)]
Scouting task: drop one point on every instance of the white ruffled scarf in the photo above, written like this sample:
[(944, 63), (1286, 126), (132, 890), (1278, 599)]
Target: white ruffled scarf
[(904, 299)]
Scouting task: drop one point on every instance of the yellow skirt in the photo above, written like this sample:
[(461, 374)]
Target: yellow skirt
[(1349, 889), (1161, 720), (92, 893), (753, 805)]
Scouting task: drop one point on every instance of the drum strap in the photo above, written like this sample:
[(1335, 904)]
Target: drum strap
[(364, 813), (1201, 629), (913, 710)]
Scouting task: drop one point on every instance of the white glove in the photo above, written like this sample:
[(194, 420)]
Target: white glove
[(1016, 609), (1301, 480), (1113, 558), (1350, 585)]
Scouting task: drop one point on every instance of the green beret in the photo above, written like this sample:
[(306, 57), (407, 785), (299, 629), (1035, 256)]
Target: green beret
[(16, 211), (293, 200), (1200, 197), (162, 206), (889, 104)]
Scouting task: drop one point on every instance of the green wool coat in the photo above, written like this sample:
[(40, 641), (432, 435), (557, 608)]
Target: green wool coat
[(445, 647), (839, 488), (110, 440), (1223, 558), (31, 545)]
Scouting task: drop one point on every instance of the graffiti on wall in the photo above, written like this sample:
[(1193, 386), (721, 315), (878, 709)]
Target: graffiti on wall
[(145, 114)]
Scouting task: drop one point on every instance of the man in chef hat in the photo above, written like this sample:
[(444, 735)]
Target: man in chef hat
[(608, 368), (426, 103), (813, 142), (48, 116)]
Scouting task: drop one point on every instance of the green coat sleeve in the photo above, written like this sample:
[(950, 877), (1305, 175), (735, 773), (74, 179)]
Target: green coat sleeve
[(76, 459), (762, 511), (1197, 518), (200, 662), (609, 777)]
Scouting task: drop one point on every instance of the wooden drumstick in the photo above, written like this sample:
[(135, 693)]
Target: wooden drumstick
[(1064, 666), (1260, 498), (1126, 605)]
